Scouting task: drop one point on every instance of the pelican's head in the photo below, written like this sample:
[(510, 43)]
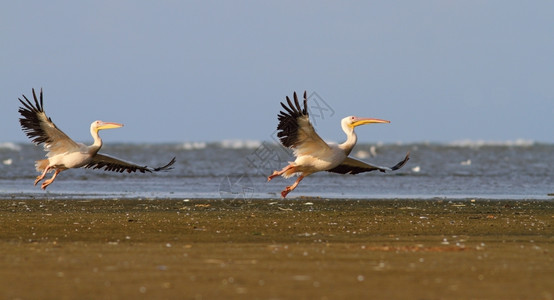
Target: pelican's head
[(99, 125), (353, 121)]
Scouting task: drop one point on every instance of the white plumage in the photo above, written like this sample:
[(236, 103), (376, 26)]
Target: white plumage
[(312, 153), (62, 152)]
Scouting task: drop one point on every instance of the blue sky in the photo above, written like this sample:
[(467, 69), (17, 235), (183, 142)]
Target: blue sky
[(175, 71)]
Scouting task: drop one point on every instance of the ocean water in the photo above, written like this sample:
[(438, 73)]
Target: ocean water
[(238, 170)]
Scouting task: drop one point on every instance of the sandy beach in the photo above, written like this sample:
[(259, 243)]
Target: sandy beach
[(302, 248)]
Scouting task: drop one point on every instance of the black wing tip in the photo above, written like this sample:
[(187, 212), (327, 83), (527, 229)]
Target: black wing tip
[(294, 109), (345, 169), (38, 106), (305, 111), (288, 119), (111, 167), (166, 167), (401, 163), (353, 170), (30, 119)]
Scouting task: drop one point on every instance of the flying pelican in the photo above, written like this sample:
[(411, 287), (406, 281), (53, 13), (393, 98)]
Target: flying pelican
[(312, 153), (63, 152)]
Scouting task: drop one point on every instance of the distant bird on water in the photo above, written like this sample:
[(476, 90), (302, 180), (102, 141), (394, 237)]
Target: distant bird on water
[(313, 154), (63, 152)]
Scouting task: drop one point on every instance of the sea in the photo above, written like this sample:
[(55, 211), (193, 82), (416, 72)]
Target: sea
[(238, 170)]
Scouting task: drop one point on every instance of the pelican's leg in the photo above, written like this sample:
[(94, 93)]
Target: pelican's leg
[(278, 173), (41, 176), (289, 189), (49, 181)]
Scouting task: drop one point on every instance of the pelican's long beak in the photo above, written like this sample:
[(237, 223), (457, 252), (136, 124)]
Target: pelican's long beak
[(109, 125), (362, 121)]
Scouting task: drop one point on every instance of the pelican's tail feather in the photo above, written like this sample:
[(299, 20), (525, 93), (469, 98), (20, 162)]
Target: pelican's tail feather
[(291, 172), (40, 165)]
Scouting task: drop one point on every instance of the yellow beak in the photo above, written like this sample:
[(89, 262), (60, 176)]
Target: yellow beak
[(362, 121), (109, 125)]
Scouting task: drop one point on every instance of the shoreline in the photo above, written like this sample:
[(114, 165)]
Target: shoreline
[(269, 197), (273, 248)]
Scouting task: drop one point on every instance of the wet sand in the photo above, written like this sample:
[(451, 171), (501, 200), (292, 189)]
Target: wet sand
[(276, 249)]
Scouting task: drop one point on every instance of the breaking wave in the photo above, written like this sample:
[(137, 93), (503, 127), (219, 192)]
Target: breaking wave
[(480, 143), (10, 146), (239, 144)]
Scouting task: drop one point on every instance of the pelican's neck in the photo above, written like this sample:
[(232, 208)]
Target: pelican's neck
[(351, 139), (93, 149)]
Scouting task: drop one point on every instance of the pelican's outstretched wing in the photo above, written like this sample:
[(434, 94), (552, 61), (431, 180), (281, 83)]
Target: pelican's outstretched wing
[(295, 129), (110, 163), (354, 166), (40, 128)]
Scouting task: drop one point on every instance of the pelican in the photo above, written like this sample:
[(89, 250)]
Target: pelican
[(313, 154), (62, 152)]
